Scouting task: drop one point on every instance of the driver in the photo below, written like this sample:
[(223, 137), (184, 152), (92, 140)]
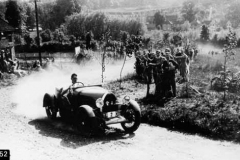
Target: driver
[(69, 91)]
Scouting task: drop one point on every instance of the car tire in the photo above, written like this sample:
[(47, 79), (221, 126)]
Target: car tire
[(135, 119), (51, 112), (48, 103)]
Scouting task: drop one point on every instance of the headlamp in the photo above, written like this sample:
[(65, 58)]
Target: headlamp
[(99, 103)]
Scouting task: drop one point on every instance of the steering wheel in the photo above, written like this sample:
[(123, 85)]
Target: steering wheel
[(80, 83)]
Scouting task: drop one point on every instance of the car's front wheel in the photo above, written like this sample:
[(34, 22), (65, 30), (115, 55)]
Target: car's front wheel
[(134, 119)]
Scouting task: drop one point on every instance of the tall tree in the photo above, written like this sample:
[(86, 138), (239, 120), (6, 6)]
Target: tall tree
[(13, 14), (159, 19), (2, 10), (233, 14), (205, 33), (189, 11), (30, 13), (65, 8), (46, 15)]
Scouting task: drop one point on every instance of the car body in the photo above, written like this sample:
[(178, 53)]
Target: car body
[(93, 107)]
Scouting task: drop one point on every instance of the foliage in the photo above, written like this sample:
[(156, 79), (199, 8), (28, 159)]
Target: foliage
[(2, 9), (166, 37), (204, 33), (64, 8), (46, 35), (78, 24), (30, 13), (233, 14), (231, 43), (202, 115), (159, 19), (28, 39), (189, 11), (49, 47), (177, 40), (46, 17), (52, 15), (185, 26), (18, 39), (14, 14), (36, 40)]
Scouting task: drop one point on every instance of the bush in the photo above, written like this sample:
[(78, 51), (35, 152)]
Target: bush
[(202, 115), (46, 35), (28, 39)]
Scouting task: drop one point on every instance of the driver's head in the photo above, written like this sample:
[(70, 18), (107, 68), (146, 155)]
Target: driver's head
[(74, 78)]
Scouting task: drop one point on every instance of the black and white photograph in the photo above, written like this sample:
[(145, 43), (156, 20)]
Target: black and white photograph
[(119, 79)]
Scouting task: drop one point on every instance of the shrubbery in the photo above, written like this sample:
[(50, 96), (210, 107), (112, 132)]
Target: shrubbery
[(201, 115), (98, 23), (46, 47)]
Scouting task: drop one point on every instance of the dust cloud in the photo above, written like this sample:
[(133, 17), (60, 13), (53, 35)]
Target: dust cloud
[(206, 48), (29, 91)]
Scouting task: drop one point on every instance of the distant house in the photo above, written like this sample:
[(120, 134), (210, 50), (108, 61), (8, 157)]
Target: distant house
[(6, 37)]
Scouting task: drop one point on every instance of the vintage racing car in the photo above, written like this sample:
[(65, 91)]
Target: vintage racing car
[(93, 107)]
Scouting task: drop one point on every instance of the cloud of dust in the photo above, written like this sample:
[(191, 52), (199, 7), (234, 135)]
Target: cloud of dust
[(206, 48), (29, 92)]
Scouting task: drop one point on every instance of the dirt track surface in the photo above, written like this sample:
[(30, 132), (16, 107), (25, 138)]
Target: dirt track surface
[(38, 139)]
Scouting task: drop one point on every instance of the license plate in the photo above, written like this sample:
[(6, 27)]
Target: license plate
[(111, 114)]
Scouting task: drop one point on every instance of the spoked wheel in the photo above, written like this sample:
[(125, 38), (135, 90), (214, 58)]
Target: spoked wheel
[(51, 112), (134, 118)]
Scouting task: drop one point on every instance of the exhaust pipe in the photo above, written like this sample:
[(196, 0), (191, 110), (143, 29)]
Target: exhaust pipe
[(119, 119)]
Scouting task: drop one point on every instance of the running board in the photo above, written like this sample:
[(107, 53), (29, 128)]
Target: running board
[(119, 119)]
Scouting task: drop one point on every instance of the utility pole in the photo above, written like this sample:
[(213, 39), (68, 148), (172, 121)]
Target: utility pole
[(38, 41)]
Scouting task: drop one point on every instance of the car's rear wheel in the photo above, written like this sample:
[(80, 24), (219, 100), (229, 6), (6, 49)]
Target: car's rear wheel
[(134, 118), (51, 112)]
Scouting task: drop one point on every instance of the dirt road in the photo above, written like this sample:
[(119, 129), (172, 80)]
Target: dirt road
[(38, 139)]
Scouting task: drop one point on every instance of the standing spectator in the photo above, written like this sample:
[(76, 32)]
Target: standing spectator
[(169, 70), (157, 72), (184, 64), (88, 39)]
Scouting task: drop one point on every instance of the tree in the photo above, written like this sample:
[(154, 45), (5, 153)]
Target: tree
[(46, 16), (231, 43), (189, 11), (204, 33), (177, 40), (2, 10), (233, 14), (64, 8), (30, 13), (14, 14), (28, 39), (159, 19), (46, 35)]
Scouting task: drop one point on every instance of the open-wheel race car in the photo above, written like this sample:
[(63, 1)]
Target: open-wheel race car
[(92, 108)]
